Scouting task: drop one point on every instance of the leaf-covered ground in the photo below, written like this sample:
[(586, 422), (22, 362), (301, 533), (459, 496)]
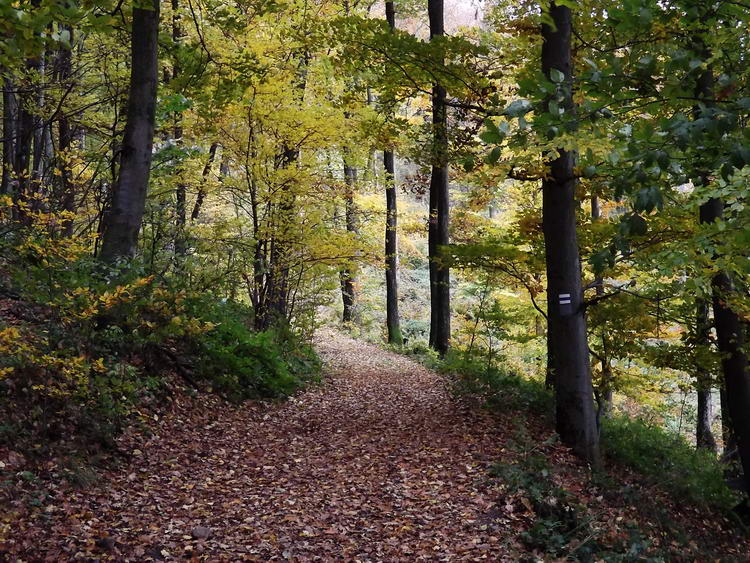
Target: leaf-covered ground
[(378, 464)]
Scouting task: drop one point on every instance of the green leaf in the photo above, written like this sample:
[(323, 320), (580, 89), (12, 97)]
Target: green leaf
[(518, 108), (637, 225), (556, 76), (494, 155)]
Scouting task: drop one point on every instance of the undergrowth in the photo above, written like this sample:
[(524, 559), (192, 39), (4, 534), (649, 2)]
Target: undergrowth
[(86, 349), (662, 457)]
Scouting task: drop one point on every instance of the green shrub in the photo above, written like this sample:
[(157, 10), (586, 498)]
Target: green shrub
[(498, 386), (695, 475), (92, 342), (244, 364)]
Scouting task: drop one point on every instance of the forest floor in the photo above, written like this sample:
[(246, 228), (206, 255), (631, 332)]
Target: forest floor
[(379, 463)]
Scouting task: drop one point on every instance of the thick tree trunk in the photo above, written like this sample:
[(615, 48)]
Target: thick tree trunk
[(708, 212), (393, 321), (731, 339), (122, 219), (729, 452), (277, 279), (576, 419), (730, 332), (438, 234), (348, 282)]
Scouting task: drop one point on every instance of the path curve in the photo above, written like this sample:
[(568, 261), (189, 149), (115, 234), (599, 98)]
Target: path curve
[(377, 464)]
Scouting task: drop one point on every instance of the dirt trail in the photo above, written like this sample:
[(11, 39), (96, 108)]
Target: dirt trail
[(377, 464)]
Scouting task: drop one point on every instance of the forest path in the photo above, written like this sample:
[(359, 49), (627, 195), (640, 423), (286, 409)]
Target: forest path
[(377, 464)]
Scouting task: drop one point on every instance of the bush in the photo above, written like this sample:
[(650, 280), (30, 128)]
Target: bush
[(243, 364), (695, 475), (496, 385), (83, 345), (656, 453)]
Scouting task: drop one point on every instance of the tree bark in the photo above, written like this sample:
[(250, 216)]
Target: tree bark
[(393, 321), (64, 72), (731, 339), (122, 219), (180, 241), (10, 112), (576, 419), (25, 130), (438, 233), (703, 433), (201, 196), (348, 282)]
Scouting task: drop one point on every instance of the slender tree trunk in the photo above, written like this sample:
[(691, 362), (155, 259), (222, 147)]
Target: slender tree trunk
[(201, 196), (42, 137), (576, 419), (64, 71), (10, 112), (25, 129), (180, 242), (122, 219), (605, 392), (393, 321), (438, 234), (348, 282)]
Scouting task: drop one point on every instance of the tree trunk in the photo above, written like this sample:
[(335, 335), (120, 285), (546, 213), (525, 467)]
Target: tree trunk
[(708, 212), (42, 135), (704, 435), (277, 278), (393, 321), (201, 196), (438, 234), (122, 219), (576, 419), (25, 129), (64, 72), (731, 338), (180, 241), (348, 282), (10, 112)]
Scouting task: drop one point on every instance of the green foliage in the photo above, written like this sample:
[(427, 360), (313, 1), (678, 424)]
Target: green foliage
[(500, 388), (693, 475), (93, 343), (244, 364), (563, 525)]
